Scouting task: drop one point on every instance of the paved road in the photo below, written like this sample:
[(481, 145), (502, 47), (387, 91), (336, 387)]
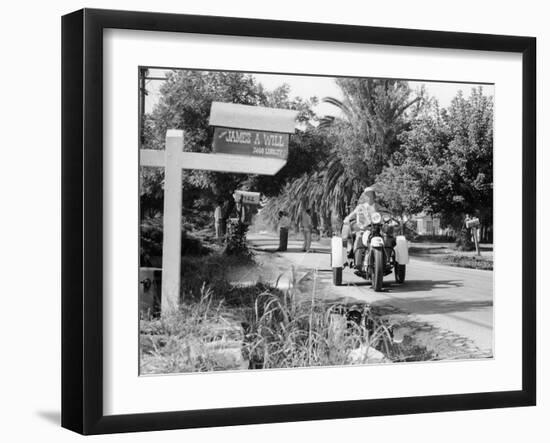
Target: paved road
[(451, 298)]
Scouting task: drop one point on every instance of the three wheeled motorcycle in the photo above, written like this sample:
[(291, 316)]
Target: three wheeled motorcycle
[(370, 247)]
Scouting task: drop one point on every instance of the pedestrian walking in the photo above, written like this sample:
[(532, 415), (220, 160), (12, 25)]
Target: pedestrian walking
[(307, 225), (284, 224)]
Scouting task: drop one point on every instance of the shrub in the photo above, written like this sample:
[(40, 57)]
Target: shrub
[(211, 271), (151, 242), (236, 239), (464, 241), (468, 262)]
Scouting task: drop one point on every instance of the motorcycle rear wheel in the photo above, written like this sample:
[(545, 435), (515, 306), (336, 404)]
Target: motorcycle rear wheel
[(337, 276), (377, 269), (358, 257), (400, 273)]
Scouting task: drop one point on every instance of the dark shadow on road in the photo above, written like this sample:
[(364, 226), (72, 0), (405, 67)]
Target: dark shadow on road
[(411, 285), (360, 283), (435, 305), (415, 250), (427, 306), (422, 285), (265, 248)]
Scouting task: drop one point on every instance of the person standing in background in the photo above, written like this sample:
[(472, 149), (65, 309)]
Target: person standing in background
[(225, 215), (218, 221), (284, 224), (307, 225), (240, 210)]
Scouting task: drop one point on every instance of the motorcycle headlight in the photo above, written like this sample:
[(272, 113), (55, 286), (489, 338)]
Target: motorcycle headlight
[(376, 218)]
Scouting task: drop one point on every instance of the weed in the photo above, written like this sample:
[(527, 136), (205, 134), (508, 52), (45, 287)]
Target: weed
[(464, 261), (262, 327)]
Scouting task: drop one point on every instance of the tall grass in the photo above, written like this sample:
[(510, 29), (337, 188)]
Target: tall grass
[(186, 340), (289, 331), (464, 261), (261, 327)]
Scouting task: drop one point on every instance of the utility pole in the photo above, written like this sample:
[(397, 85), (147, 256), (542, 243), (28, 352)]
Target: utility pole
[(142, 93), (142, 86)]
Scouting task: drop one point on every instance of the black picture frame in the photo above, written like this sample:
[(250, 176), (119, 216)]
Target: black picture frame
[(82, 218)]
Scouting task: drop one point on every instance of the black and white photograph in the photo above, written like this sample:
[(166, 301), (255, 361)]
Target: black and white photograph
[(295, 221), (275, 221)]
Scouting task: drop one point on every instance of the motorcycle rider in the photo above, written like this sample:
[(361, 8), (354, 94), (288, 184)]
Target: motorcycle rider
[(359, 218)]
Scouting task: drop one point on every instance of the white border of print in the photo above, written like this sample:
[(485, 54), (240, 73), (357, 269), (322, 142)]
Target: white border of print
[(125, 392)]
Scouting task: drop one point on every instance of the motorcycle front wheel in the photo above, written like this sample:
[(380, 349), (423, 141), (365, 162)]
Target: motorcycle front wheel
[(377, 269)]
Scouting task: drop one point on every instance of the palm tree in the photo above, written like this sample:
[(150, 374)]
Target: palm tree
[(372, 113), (329, 191)]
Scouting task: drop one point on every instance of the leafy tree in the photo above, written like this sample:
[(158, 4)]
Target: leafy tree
[(185, 101), (418, 169), (470, 123), (399, 191), (445, 163)]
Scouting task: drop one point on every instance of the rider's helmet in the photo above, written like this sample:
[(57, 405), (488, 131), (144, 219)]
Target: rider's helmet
[(367, 194), (369, 190)]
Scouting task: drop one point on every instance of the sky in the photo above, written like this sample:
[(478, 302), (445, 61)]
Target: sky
[(309, 86)]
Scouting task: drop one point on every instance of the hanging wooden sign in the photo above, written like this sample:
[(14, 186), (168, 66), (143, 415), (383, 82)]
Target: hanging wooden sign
[(255, 134), (250, 142)]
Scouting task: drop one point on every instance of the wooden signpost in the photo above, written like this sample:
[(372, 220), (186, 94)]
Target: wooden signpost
[(270, 126)]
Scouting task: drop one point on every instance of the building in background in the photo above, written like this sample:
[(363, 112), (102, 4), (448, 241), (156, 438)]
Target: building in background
[(426, 224)]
